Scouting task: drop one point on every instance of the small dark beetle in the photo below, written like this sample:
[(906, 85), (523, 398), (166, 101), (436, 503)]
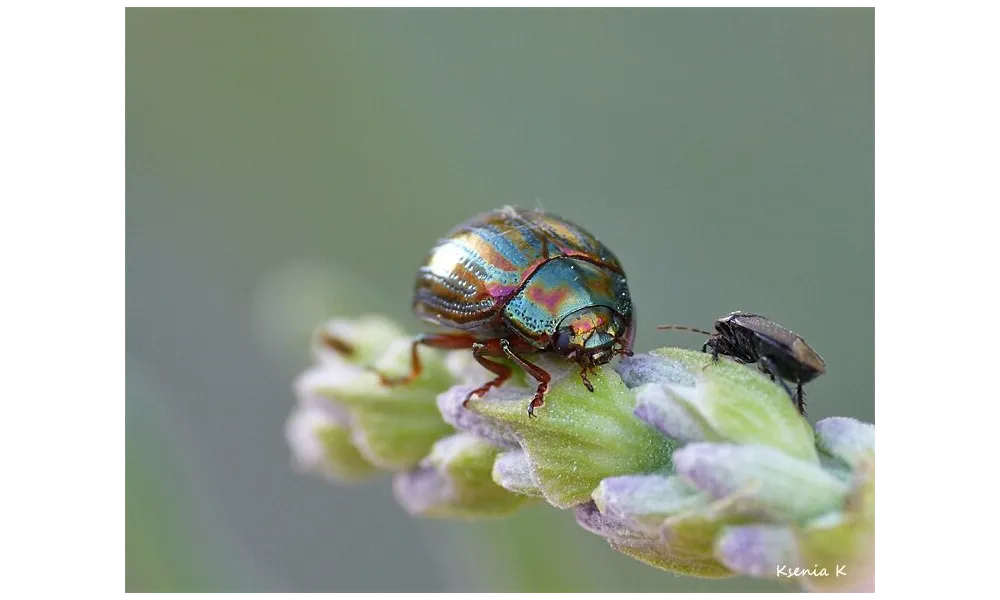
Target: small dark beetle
[(750, 338), (514, 282)]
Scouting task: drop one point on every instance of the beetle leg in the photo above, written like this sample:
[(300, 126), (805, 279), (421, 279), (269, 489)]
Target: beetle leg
[(444, 341), (800, 399), (540, 374), (771, 370), (710, 343), (583, 376), (503, 372), (336, 344), (621, 348)]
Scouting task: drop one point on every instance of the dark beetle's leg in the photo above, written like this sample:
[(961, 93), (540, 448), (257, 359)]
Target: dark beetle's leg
[(480, 351), (444, 341), (800, 400), (535, 371), (764, 369), (771, 370), (715, 351)]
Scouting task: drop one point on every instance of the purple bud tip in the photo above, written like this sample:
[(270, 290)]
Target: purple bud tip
[(656, 405), (646, 368), (513, 472), (845, 438), (698, 463), (839, 427), (593, 521), (450, 405), (757, 550), (420, 490)]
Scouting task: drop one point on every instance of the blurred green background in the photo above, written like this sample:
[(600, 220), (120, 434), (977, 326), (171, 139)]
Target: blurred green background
[(284, 166)]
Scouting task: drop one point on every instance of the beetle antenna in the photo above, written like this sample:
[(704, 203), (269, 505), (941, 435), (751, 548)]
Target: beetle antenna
[(684, 328)]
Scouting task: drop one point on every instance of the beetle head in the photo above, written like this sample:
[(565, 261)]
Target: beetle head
[(592, 336)]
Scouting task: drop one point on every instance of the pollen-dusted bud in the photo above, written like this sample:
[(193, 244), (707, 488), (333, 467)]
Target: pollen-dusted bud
[(512, 471), (648, 548), (578, 437), (720, 402), (319, 435), (391, 427), (644, 502), (759, 550), (455, 481), (772, 482), (847, 440)]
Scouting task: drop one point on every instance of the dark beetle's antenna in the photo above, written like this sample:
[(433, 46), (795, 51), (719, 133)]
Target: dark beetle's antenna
[(684, 328)]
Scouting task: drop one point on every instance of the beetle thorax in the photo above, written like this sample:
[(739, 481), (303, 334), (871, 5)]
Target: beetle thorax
[(736, 341), (590, 335)]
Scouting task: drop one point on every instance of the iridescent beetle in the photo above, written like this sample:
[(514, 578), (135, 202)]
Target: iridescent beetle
[(514, 282), (750, 338)]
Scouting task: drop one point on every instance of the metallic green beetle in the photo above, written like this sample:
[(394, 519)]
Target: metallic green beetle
[(515, 282)]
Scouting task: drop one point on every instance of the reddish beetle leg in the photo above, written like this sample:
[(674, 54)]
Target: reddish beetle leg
[(481, 349), (540, 375), (444, 341), (336, 344)]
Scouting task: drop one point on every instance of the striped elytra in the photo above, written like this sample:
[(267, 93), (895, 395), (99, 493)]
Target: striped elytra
[(514, 282)]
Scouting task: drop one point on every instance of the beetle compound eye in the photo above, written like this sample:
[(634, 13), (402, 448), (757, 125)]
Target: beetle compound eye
[(563, 340)]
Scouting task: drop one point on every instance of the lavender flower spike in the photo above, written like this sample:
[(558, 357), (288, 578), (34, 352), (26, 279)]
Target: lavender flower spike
[(698, 467)]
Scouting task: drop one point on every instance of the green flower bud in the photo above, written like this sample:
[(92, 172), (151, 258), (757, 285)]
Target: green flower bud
[(692, 533), (648, 548), (832, 552), (765, 551), (392, 427), (451, 405), (320, 438), (720, 401), (455, 481), (847, 440), (512, 471), (679, 523), (644, 502), (775, 483), (578, 438), (658, 406), (841, 545)]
